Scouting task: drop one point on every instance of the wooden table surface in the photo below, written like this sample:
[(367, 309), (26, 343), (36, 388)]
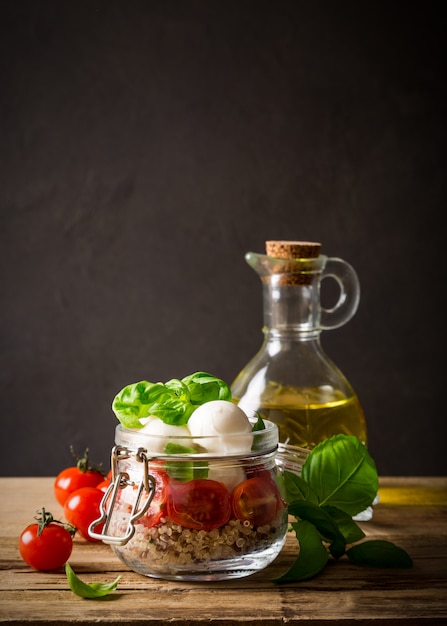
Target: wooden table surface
[(412, 513)]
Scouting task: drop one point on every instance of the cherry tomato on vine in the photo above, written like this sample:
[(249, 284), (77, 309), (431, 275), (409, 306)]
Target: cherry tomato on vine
[(47, 544), (257, 500), (200, 503), (81, 508), (72, 478)]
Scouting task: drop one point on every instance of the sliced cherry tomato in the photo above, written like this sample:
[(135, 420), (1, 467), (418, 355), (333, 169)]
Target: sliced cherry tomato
[(46, 545), (258, 470), (158, 504), (200, 503), (73, 478), (81, 508), (256, 500)]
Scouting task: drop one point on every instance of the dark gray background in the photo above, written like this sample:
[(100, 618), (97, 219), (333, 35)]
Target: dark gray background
[(146, 146)]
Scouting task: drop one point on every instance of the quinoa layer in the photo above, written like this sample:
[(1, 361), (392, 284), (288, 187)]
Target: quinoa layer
[(169, 545)]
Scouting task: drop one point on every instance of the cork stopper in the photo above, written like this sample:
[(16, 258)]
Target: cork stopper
[(294, 273), (293, 249)]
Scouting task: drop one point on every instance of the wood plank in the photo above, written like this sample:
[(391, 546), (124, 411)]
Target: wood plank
[(342, 594)]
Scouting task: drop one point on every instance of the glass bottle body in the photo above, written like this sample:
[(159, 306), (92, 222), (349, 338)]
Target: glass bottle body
[(307, 409)]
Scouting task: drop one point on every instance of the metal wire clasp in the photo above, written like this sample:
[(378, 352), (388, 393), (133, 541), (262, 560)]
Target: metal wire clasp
[(121, 480)]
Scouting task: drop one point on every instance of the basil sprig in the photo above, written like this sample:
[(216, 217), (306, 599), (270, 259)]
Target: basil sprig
[(338, 481), (173, 402)]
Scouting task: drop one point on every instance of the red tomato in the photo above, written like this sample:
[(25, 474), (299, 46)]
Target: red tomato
[(200, 503), (104, 485), (256, 500), (46, 546), (158, 504), (81, 508), (260, 471), (72, 478)]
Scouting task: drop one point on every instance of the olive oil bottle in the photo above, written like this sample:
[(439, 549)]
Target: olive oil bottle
[(291, 380)]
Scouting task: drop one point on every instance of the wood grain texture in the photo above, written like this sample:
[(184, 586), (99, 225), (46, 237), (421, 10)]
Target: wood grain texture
[(342, 594)]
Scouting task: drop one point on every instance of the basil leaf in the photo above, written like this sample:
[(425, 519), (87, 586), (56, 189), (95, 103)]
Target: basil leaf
[(259, 424), (184, 470), (88, 590), (204, 387), (297, 489), (342, 473), (176, 448), (130, 404), (257, 428), (169, 402), (323, 522), (172, 410), (379, 553), (173, 401), (178, 388), (350, 530), (312, 556)]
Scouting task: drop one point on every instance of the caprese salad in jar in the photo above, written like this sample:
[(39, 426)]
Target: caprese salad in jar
[(217, 491)]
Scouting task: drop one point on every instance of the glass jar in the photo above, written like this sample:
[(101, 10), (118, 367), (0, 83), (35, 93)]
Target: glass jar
[(178, 511)]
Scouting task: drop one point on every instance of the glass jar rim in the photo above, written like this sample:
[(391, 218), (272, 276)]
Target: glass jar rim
[(263, 441)]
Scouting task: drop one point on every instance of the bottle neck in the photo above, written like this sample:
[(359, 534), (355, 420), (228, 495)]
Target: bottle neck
[(291, 309)]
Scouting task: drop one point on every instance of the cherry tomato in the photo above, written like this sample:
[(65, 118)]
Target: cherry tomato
[(256, 500), (72, 478), (158, 504), (46, 545), (200, 503), (104, 485), (260, 471), (81, 508)]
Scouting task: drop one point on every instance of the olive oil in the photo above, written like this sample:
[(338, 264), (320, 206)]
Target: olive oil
[(410, 491), (306, 416)]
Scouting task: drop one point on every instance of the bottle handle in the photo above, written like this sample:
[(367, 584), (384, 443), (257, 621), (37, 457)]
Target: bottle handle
[(348, 300)]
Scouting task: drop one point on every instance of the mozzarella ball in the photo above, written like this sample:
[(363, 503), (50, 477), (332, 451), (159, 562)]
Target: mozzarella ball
[(229, 474), (145, 420), (162, 432), (226, 423), (218, 417)]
